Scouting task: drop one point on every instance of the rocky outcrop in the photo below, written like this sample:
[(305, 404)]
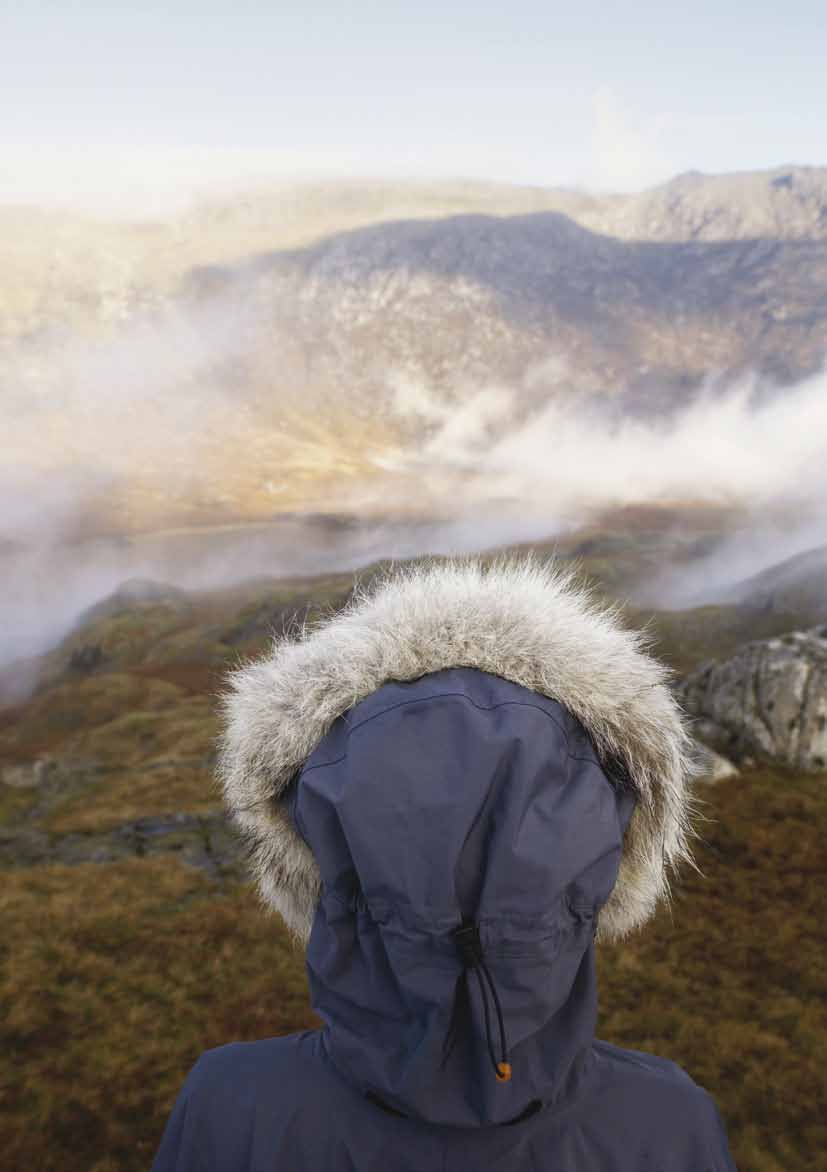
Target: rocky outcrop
[(205, 841), (29, 775), (768, 701), (784, 203)]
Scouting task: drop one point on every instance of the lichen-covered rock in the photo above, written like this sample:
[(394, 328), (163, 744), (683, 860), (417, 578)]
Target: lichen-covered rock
[(28, 775), (768, 701), (205, 841)]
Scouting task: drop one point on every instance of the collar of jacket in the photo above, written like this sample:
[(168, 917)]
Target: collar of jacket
[(532, 621)]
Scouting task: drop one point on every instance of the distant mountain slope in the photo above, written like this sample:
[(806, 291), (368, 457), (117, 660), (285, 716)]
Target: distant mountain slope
[(797, 585), (60, 266), (481, 298), (785, 203), (64, 267)]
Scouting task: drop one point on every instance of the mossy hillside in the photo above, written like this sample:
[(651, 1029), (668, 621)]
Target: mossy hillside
[(116, 978), (132, 729), (116, 975)]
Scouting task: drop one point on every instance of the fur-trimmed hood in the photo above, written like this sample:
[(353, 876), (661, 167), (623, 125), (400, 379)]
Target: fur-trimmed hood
[(449, 789), (470, 768), (528, 621)]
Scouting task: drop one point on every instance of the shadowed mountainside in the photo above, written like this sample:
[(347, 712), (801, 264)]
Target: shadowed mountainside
[(796, 586), (73, 267), (479, 298)]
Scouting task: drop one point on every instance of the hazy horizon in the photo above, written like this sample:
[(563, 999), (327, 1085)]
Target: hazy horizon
[(117, 107), (154, 186)]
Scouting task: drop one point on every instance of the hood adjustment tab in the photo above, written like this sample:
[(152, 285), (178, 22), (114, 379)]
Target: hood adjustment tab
[(469, 947)]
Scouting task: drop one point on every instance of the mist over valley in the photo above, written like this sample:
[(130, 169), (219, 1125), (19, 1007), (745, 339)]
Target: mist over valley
[(467, 378)]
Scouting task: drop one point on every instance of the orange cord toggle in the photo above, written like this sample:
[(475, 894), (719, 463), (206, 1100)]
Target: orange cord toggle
[(470, 950)]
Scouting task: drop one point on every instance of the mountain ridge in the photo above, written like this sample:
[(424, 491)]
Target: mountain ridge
[(105, 263)]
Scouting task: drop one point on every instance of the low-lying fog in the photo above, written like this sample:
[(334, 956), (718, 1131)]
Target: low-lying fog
[(141, 423)]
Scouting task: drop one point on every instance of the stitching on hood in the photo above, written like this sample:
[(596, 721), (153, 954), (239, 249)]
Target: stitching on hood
[(445, 696), (533, 622)]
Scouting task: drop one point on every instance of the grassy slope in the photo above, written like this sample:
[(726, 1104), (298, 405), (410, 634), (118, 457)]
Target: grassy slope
[(115, 976), (116, 979)]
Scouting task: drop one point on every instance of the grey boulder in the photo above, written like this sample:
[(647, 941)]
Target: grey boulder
[(768, 701)]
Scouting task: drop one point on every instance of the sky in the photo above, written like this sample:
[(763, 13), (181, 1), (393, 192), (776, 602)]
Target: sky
[(116, 101)]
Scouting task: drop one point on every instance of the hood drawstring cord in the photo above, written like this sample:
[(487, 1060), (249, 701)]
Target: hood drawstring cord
[(469, 946)]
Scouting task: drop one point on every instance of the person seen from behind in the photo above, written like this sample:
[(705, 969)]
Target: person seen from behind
[(453, 790)]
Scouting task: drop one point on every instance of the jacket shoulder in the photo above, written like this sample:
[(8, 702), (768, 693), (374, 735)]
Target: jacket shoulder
[(639, 1065), (664, 1106), (237, 1068), (213, 1121)]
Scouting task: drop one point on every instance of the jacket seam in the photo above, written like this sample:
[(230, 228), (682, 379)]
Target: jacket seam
[(442, 695)]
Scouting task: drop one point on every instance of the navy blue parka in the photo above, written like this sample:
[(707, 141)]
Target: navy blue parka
[(469, 836)]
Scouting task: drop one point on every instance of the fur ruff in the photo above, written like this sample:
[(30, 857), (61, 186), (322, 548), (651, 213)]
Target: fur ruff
[(534, 623)]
